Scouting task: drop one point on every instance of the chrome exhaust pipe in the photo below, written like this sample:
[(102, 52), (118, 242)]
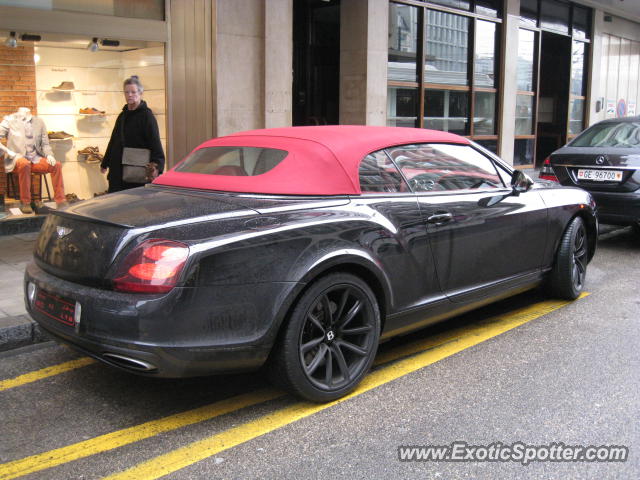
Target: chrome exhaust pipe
[(129, 363)]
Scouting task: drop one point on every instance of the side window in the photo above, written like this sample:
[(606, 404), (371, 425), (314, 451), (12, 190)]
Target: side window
[(445, 167), (378, 174)]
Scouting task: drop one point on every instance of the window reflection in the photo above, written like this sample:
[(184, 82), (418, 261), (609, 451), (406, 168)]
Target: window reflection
[(447, 48), (442, 167), (402, 107), (526, 50), (484, 61), (403, 42), (447, 110), (554, 16), (577, 68), (576, 114), (524, 115), (484, 113), (523, 151)]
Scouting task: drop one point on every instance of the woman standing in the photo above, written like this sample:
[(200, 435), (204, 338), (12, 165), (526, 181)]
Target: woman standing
[(135, 127)]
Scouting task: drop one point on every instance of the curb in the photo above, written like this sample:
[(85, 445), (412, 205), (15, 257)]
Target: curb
[(20, 331)]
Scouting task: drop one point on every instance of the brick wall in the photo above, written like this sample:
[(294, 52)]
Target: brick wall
[(17, 87)]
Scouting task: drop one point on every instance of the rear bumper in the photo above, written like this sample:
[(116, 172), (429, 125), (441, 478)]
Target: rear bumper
[(618, 208), (186, 332)]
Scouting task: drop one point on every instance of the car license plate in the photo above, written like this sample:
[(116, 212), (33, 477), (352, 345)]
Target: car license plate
[(600, 175), (56, 307)]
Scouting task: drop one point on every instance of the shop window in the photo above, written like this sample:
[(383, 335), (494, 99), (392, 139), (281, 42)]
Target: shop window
[(581, 22), (79, 95), (554, 15), (403, 42), (446, 43), (459, 4), (447, 49), (491, 8), (523, 151), (529, 12), (402, 107), (447, 110)]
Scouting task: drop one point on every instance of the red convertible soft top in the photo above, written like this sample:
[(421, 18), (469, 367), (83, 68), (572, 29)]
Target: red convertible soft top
[(321, 160)]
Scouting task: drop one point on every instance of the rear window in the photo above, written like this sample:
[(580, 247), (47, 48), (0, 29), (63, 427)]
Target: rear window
[(625, 135), (232, 161)]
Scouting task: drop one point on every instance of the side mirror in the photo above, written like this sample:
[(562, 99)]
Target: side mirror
[(520, 182)]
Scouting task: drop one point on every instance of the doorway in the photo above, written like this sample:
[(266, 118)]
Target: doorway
[(316, 62), (553, 94)]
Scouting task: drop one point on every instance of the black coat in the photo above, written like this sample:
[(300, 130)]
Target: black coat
[(140, 131)]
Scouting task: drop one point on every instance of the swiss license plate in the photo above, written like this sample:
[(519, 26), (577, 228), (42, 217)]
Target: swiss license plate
[(58, 308), (600, 175)]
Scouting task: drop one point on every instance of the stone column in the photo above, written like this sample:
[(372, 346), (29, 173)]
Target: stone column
[(278, 61), (364, 41), (508, 79)]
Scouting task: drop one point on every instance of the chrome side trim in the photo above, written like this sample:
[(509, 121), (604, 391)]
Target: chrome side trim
[(595, 167)]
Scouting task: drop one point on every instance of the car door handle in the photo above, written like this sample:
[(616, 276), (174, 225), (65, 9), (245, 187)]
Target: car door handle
[(440, 218)]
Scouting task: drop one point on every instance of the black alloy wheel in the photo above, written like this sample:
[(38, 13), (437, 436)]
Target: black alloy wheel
[(570, 270), (331, 339)]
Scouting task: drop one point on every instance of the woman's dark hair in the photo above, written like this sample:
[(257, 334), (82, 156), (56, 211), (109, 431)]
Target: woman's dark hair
[(133, 80)]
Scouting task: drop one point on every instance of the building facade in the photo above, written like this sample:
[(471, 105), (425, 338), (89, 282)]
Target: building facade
[(521, 77)]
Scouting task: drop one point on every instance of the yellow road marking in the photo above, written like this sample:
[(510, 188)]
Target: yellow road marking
[(44, 373), (119, 438), (200, 450), (439, 347)]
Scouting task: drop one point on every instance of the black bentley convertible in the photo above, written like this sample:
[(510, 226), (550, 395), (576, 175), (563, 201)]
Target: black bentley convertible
[(299, 249)]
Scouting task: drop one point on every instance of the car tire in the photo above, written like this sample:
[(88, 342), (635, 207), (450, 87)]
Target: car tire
[(570, 268), (329, 341)]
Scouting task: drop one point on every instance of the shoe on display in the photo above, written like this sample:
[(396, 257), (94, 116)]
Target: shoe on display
[(65, 87), (71, 198), (40, 208), (59, 135), (26, 208), (94, 158), (91, 111), (89, 151)]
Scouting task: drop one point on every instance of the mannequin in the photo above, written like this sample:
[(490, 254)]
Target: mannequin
[(28, 151)]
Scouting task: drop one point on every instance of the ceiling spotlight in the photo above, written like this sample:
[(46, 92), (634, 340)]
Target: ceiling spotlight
[(93, 45), (27, 37), (11, 40), (105, 42)]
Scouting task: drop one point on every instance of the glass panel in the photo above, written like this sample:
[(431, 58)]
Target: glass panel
[(554, 15), (577, 68), (576, 114), (402, 107), (581, 22), (439, 167), (447, 110), (524, 115), (378, 174), (232, 161), (491, 145), (485, 54), (620, 135), (484, 113), (526, 50), (529, 12), (403, 43), (447, 49), (461, 4), (523, 151), (489, 7)]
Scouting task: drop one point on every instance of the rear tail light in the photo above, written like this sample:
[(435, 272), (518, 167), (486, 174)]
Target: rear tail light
[(546, 172), (152, 267)]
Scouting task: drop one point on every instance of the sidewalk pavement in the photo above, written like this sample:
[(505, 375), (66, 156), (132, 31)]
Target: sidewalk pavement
[(17, 329)]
